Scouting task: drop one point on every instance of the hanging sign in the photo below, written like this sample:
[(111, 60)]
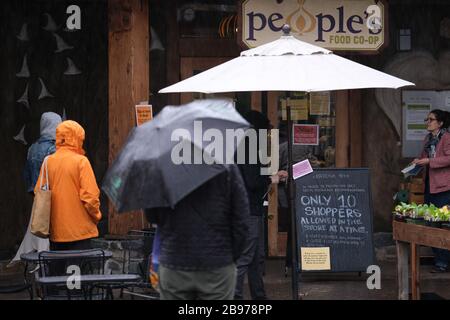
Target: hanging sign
[(338, 25)]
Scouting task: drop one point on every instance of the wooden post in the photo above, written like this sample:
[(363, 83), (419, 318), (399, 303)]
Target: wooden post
[(128, 41), (256, 101), (355, 101), (415, 263), (402, 270), (272, 225), (342, 129), (173, 49)]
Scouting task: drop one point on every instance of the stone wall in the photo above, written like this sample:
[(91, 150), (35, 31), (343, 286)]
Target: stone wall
[(382, 108)]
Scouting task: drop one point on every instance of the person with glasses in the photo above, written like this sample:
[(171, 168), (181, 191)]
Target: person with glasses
[(435, 157)]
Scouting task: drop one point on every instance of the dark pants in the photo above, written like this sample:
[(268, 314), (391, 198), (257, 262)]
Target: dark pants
[(75, 245), (441, 256), (288, 259), (251, 262), (59, 267)]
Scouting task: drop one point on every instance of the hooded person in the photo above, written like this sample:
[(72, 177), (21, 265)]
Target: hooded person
[(44, 146), (75, 208)]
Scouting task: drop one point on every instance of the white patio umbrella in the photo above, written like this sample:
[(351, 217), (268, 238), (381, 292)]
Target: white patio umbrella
[(287, 64)]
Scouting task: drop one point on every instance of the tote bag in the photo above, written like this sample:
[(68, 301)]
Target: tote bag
[(42, 204)]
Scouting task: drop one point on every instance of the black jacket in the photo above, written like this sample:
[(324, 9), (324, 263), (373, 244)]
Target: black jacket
[(207, 229), (257, 186), (299, 153)]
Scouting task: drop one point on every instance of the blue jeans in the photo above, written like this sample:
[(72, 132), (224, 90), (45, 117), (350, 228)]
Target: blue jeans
[(441, 256)]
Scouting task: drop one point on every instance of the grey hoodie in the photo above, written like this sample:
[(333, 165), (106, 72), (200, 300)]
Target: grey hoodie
[(49, 122), (44, 146)]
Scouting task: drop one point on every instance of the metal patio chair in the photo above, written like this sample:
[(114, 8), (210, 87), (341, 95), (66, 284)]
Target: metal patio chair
[(137, 259), (58, 263)]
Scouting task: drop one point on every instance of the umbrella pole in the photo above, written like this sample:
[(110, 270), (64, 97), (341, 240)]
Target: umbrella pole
[(291, 202)]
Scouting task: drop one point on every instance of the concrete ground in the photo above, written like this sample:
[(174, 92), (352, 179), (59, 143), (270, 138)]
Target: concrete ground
[(348, 286)]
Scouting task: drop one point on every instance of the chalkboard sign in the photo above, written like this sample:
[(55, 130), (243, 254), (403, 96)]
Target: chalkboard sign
[(333, 212)]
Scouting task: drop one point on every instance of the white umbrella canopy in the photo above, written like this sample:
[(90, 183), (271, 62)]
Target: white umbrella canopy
[(287, 64)]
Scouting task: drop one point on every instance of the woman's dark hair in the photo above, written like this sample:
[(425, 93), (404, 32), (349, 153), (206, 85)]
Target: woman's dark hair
[(442, 116)]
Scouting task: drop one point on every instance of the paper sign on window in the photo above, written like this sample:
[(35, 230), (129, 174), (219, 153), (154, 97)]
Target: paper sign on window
[(306, 134), (144, 113), (315, 258)]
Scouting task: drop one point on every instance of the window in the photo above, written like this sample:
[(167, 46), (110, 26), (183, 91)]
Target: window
[(314, 118), (314, 129), (207, 19)]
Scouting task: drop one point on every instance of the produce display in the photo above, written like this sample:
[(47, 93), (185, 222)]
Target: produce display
[(422, 212)]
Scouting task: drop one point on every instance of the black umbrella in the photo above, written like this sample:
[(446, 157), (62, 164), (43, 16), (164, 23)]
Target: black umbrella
[(147, 173)]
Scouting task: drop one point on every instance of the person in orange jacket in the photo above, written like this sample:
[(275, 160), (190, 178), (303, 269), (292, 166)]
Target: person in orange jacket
[(75, 195)]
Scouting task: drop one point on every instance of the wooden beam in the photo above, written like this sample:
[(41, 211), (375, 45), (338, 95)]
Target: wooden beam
[(128, 56), (355, 107), (421, 235), (256, 101), (272, 225), (415, 272), (272, 108), (402, 270), (172, 50), (342, 129)]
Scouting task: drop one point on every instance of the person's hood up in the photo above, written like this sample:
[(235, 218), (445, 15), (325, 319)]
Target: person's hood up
[(49, 122), (70, 135)]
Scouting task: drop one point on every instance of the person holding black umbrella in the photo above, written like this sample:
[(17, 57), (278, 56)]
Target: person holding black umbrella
[(201, 239), (201, 207)]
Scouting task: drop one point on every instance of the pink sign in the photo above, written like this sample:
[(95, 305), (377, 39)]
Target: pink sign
[(306, 134), (301, 169)]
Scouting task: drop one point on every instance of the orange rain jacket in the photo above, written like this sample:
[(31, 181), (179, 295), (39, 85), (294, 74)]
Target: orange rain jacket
[(75, 195)]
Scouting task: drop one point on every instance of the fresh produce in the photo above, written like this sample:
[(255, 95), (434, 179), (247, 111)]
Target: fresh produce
[(423, 211)]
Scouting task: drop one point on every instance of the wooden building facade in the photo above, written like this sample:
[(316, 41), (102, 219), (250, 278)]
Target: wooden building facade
[(127, 50)]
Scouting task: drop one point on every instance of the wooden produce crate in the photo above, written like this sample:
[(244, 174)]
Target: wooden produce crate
[(416, 191), (417, 186)]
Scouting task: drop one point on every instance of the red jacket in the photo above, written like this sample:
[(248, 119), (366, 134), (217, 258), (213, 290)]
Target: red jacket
[(439, 167)]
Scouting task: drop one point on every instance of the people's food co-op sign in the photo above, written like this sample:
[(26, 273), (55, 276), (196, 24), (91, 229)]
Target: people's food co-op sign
[(348, 25)]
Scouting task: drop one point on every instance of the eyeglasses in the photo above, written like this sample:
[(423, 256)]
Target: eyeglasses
[(429, 119)]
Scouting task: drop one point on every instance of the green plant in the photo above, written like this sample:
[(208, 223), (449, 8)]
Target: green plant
[(435, 214)]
